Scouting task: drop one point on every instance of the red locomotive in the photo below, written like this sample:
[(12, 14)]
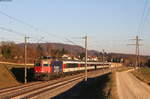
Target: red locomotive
[(45, 67)]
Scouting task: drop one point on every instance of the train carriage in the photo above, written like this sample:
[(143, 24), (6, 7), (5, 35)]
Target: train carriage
[(45, 68)]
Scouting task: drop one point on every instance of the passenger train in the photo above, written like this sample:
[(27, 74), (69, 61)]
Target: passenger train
[(45, 67)]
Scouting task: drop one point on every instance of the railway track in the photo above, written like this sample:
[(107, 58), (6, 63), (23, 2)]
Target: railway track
[(18, 91), (35, 93), (33, 90), (3, 90)]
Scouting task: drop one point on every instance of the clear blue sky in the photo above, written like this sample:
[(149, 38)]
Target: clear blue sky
[(109, 24)]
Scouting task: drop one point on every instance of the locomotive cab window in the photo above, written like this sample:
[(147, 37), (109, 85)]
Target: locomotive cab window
[(45, 64), (37, 64)]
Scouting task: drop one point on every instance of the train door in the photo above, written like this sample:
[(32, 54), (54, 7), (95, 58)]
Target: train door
[(57, 66), (95, 66)]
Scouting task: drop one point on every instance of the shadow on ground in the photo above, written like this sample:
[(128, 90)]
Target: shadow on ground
[(92, 89), (19, 74)]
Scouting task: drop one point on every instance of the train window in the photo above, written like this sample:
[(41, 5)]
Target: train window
[(82, 65), (45, 64), (37, 64), (71, 65), (68, 66)]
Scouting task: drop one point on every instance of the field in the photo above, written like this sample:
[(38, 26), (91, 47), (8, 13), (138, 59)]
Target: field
[(143, 74)]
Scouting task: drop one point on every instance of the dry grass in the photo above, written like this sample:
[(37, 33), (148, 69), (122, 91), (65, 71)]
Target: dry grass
[(102, 87), (10, 66), (143, 74), (124, 68), (111, 88), (7, 79)]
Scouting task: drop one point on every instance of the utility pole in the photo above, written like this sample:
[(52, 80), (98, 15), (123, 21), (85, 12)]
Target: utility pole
[(85, 57), (25, 59), (103, 51), (137, 51)]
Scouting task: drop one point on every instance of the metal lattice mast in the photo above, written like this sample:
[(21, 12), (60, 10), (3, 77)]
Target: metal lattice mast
[(137, 51)]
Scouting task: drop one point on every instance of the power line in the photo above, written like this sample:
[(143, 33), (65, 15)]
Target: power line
[(72, 42), (17, 20), (146, 16), (15, 32), (18, 33), (143, 17), (29, 25), (12, 31)]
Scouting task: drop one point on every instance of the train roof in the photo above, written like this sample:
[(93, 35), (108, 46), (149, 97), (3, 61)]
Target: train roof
[(79, 62), (82, 62)]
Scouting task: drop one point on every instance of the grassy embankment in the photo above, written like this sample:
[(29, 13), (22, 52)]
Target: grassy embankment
[(143, 74), (124, 68), (111, 87), (11, 74), (7, 79), (102, 87)]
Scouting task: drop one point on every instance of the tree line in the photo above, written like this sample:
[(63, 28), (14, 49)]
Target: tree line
[(10, 51)]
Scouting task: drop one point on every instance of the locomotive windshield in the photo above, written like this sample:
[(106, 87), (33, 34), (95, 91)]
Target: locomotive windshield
[(45, 64), (37, 64)]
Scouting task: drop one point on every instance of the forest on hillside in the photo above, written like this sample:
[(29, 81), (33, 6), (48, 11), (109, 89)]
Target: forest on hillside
[(13, 52)]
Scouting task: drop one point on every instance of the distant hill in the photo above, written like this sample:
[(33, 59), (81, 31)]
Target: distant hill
[(35, 50), (74, 49)]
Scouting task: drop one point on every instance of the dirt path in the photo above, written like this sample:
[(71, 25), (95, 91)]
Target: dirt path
[(129, 87)]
